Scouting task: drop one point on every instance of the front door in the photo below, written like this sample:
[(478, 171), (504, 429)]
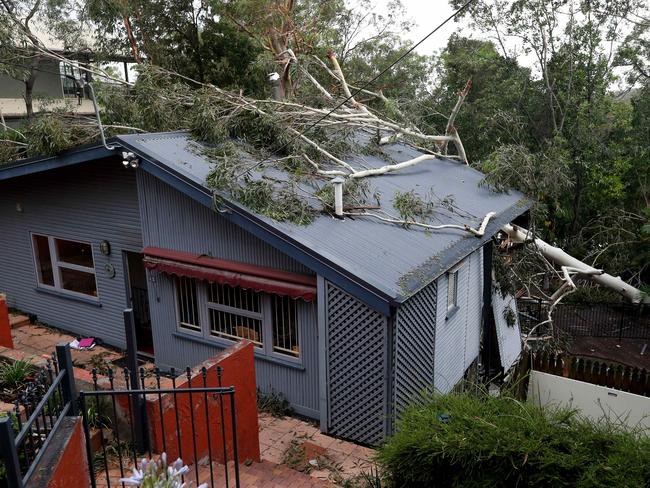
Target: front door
[(138, 299)]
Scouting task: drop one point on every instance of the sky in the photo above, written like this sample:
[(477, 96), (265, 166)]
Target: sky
[(426, 15)]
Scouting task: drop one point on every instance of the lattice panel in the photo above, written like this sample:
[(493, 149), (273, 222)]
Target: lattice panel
[(356, 371), (414, 347)]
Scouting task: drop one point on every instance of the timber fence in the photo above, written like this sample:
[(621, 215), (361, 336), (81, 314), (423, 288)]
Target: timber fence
[(595, 371)]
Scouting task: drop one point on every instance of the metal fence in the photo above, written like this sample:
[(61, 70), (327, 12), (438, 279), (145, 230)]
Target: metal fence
[(39, 411), (118, 417), (611, 320)]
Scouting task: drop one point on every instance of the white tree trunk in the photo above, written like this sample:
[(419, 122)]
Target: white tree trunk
[(561, 258)]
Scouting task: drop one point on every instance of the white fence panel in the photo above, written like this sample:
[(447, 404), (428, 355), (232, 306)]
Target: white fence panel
[(593, 401)]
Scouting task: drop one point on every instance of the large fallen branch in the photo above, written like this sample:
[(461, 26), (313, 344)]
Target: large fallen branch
[(480, 232), (563, 259)]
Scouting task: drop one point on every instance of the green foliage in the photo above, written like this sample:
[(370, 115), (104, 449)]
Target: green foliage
[(509, 316), (412, 207), (98, 414), (476, 441), (277, 201), (15, 374), (273, 403)]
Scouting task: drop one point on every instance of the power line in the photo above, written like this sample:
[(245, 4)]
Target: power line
[(365, 85)]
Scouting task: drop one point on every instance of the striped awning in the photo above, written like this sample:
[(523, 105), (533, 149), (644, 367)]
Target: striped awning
[(231, 273)]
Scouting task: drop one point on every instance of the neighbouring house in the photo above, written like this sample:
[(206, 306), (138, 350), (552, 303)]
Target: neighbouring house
[(54, 84), (350, 317)]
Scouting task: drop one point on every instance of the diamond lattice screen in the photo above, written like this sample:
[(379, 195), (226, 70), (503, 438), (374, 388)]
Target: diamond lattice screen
[(356, 369), (414, 347)]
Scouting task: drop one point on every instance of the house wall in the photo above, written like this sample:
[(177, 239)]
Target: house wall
[(47, 84), (458, 334), (172, 220), (91, 203)]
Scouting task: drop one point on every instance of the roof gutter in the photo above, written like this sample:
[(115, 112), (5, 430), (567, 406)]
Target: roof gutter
[(23, 167)]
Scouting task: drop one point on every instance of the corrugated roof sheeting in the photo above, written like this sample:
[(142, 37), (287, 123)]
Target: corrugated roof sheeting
[(394, 260)]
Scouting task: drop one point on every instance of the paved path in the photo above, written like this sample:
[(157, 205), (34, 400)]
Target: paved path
[(344, 460), (257, 475)]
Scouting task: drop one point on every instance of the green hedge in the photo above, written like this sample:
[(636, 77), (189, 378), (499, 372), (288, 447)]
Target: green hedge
[(481, 441)]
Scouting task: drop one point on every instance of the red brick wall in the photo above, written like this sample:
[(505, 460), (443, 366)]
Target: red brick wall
[(71, 468), (238, 366), (5, 326)]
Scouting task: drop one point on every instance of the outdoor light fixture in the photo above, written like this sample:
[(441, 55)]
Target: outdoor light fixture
[(105, 247)]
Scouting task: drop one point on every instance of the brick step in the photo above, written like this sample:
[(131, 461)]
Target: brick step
[(17, 321)]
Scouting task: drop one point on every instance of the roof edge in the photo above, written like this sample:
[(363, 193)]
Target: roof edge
[(422, 276), (38, 164)]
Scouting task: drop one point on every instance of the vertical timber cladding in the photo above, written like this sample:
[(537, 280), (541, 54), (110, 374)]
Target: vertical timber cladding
[(357, 348), (415, 329)]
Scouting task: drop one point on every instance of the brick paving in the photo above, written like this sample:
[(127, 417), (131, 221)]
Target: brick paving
[(340, 460), (37, 342), (344, 460), (256, 475)]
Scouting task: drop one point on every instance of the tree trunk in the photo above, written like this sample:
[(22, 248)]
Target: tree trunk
[(132, 42), (29, 94), (561, 258)]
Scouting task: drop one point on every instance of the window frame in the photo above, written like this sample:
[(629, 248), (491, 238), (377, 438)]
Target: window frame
[(63, 76), (452, 308), (200, 315), (57, 264), (266, 350)]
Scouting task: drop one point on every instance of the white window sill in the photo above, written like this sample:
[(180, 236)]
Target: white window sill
[(70, 296)]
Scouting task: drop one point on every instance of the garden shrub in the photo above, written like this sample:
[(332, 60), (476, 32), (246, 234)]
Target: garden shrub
[(483, 441)]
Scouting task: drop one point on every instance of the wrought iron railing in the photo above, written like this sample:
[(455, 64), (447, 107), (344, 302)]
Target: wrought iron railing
[(39, 411), (123, 423)]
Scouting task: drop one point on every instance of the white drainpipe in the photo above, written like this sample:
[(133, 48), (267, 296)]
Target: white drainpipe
[(338, 195)]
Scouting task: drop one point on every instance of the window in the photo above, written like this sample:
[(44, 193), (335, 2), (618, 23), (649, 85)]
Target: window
[(285, 328), (227, 312), (188, 308), (452, 290), (71, 80), (65, 265), (235, 313)]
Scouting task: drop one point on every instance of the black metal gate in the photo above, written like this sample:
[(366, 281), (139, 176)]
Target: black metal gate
[(119, 432)]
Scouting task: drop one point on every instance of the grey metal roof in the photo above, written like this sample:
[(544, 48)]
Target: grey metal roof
[(387, 258)]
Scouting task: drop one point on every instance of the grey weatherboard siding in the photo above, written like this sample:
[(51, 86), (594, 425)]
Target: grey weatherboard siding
[(173, 220), (91, 203), (458, 335)]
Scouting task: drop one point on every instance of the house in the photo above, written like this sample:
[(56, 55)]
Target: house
[(351, 317), (55, 84)]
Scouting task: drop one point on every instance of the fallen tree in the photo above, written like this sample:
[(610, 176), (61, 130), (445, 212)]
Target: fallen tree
[(311, 136)]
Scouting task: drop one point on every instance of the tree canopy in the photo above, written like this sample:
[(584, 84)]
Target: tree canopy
[(559, 105)]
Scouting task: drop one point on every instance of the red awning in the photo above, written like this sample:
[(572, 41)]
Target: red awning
[(230, 273)]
